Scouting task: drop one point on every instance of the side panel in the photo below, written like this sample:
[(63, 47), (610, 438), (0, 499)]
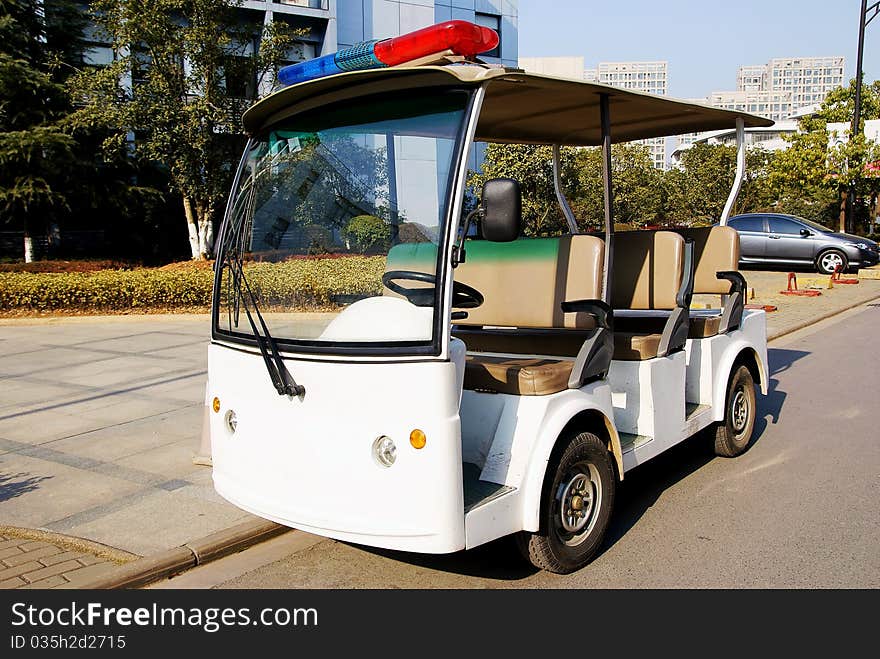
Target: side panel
[(649, 397), (308, 463), (511, 438), (752, 335)]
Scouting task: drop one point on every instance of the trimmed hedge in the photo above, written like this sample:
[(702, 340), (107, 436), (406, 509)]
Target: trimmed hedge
[(300, 284)]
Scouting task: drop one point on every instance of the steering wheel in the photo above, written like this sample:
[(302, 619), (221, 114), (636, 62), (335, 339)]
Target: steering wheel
[(463, 296)]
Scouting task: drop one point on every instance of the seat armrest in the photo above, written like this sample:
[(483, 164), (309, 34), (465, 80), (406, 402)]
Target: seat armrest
[(601, 311), (737, 281), (734, 304), (686, 290)]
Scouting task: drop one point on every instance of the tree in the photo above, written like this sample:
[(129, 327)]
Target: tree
[(814, 175), (36, 154), (183, 75), (532, 166), (638, 192)]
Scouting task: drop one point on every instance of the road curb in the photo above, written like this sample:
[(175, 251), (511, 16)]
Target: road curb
[(179, 559), (794, 328)]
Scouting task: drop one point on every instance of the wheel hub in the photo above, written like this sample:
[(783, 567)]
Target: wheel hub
[(577, 498), (739, 411), (831, 261)]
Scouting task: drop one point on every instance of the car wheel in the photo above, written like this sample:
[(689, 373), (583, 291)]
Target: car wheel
[(828, 260), (732, 436), (575, 507)]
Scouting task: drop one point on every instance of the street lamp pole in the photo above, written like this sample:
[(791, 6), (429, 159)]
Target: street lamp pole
[(874, 9)]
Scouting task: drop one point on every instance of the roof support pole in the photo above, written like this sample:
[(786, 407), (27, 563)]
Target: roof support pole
[(740, 169), (560, 195), (605, 117)]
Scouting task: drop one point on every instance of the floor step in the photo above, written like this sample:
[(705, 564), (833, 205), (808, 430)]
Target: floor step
[(477, 492), (692, 409), (629, 442)]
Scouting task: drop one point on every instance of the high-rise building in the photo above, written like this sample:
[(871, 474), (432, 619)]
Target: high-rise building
[(564, 67), (809, 79), (329, 25), (781, 88), (774, 105), (751, 78), (648, 77)]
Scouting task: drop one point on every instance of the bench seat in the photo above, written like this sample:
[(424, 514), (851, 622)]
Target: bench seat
[(526, 376)]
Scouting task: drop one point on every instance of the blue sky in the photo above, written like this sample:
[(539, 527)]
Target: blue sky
[(703, 41)]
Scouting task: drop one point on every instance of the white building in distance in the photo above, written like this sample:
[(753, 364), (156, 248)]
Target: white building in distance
[(648, 77), (783, 88)]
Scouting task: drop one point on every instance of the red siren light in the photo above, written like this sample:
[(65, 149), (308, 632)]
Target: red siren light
[(450, 37), (461, 37)]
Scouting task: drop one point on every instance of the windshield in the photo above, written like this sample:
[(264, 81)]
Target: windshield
[(813, 225), (328, 201)]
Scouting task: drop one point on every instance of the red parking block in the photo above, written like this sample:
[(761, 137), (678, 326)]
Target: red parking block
[(793, 289), (835, 277)]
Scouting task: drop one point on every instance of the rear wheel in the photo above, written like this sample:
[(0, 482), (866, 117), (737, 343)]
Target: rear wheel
[(828, 260), (732, 436), (575, 508)]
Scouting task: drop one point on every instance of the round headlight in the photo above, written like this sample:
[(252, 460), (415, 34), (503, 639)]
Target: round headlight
[(231, 421), (384, 451)]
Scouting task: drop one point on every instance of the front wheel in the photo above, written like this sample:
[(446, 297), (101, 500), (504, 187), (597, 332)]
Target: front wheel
[(732, 436), (575, 508), (830, 259)]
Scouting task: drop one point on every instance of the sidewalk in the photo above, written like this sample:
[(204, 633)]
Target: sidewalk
[(793, 311), (101, 417), (99, 420)]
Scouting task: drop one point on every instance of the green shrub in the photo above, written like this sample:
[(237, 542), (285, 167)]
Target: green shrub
[(297, 284), (369, 233)]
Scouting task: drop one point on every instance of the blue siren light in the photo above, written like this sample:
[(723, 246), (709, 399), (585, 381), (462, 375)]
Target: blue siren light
[(451, 37)]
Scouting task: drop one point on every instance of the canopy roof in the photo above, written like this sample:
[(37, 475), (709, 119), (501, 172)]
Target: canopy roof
[(518, 107)]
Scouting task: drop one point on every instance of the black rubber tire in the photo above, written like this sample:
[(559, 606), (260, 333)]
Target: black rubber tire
[(547, 549), (824, 270), (732, 437)]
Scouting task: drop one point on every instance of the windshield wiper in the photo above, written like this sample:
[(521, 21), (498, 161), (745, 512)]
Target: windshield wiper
[(282, 380)]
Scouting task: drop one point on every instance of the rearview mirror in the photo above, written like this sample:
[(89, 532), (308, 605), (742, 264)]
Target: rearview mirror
[(502, 209), (806, 233)]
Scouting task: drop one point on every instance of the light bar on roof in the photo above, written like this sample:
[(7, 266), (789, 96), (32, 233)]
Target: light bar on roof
[(449, 38)]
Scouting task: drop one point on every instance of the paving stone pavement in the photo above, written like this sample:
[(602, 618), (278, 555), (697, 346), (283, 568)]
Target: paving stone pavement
[(793, 311), (28, 563)]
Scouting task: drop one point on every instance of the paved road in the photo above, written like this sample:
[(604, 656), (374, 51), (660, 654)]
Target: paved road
[(799, 509)]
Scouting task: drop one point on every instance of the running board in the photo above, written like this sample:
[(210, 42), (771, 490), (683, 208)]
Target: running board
[(692, 409), (696, 418), (630, 442), (476, 492)]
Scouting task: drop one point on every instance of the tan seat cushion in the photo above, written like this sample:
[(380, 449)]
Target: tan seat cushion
[(629, 346), (648, 269), (524, 282), (716, 249), (702, 326), (520, 377)]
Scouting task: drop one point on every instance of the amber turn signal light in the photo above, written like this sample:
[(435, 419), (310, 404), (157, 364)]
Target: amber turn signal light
[(417, 439), (216, 404)]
